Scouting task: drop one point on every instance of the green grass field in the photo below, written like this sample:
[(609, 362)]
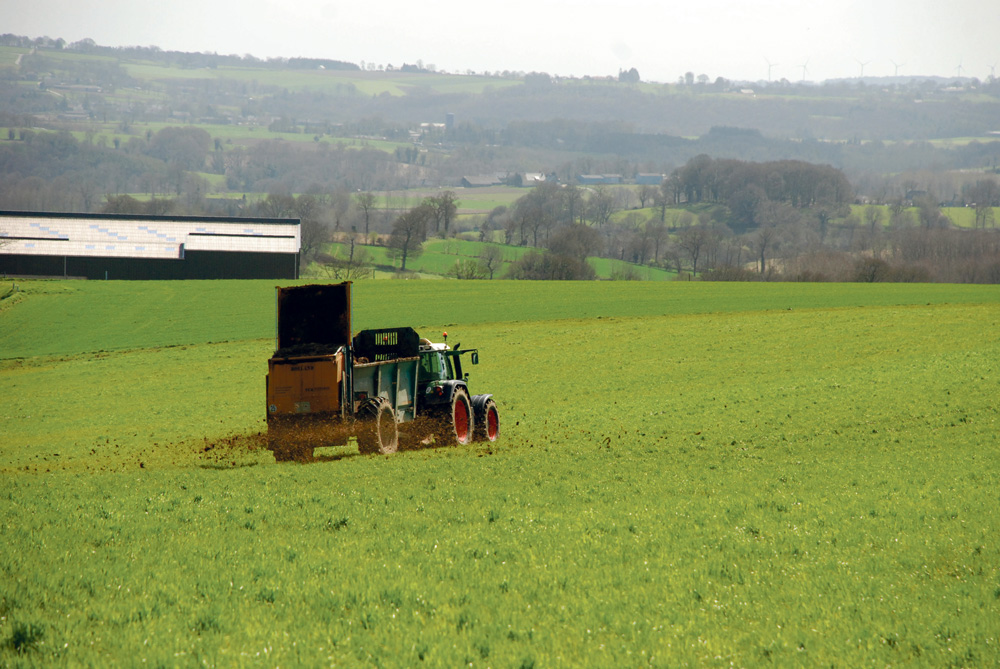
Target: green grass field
[(333, 82), (440, 255), (963, 217), (702, 474)]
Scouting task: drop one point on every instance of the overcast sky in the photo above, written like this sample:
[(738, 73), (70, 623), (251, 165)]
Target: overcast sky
[(662, 39)]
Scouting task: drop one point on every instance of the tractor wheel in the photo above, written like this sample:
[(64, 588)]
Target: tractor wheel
[(377, 429), (461, 421), (488, 427)]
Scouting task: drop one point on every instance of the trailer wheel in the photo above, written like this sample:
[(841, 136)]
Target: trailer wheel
[(461, 417), (377, 429), (488, 428)]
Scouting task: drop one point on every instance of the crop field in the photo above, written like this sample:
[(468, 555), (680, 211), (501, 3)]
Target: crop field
[(687, 474)]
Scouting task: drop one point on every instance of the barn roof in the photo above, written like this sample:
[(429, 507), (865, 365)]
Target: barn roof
[(130, 236)]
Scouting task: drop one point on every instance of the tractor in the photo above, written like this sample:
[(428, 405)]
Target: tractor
[(384, 387)]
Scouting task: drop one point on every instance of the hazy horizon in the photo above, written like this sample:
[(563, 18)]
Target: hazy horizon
[(772, 39)]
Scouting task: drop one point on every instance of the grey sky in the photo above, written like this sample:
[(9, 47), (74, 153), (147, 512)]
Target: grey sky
[(662, 39)]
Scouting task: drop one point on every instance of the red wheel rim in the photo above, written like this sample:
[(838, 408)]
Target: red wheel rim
[(461, 421), (492, 424)]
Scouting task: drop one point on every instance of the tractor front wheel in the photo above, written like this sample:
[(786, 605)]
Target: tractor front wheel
[(461, 417)]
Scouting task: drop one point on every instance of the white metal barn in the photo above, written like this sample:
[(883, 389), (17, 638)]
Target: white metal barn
[(107, 246)]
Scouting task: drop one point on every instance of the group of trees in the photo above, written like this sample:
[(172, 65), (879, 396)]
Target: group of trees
[(798, 224), (55, 171), (746, 188), (753, 198), (411, 228)]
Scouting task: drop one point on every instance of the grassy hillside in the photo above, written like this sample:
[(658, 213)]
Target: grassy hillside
[(687, 474), (439, 257)]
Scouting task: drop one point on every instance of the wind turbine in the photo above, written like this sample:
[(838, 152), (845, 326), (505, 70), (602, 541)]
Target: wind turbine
[(862, 75), (958, 70), (805, 69), (897, 66), (769, 66)]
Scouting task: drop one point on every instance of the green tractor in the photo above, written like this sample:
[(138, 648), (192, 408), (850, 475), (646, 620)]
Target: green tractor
[(322, 385)]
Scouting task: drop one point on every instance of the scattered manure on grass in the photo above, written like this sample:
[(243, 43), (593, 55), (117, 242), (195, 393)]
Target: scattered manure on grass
[(231, 450)]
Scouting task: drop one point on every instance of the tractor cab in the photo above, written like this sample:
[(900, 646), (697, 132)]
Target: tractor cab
[(440, 362), (435, 363)]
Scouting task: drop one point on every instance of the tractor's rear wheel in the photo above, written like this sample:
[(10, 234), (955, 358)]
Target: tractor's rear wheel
[(488, 427), (377, 429), (462, 422)]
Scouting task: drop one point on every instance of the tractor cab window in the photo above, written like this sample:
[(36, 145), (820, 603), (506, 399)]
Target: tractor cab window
[(435, 367)]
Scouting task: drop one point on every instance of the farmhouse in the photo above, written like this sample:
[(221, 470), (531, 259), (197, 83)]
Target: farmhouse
[(106, 246)]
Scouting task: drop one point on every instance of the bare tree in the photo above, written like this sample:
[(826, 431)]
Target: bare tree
[(775, 219), (576, 241), (657, 231), (538, 212), (445, 206), (490, 259), (366, 201), (313, 234), (692, 241), (356, 266), (602, 205), (983, 194), (873, 217), (313, 230), (408, 234), (277, 205), (574, 204), (761, 241), (646, 194), (496, 220), (339, 207), (929, 213)]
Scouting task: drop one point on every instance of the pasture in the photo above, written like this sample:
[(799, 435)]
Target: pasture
[(439, 256), (687, 474)]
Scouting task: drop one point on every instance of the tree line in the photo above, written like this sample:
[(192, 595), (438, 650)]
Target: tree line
[(734, 220)]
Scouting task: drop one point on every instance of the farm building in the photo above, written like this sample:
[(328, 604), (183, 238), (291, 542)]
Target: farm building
[(480, 181), (106, 246), (647, 179)]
